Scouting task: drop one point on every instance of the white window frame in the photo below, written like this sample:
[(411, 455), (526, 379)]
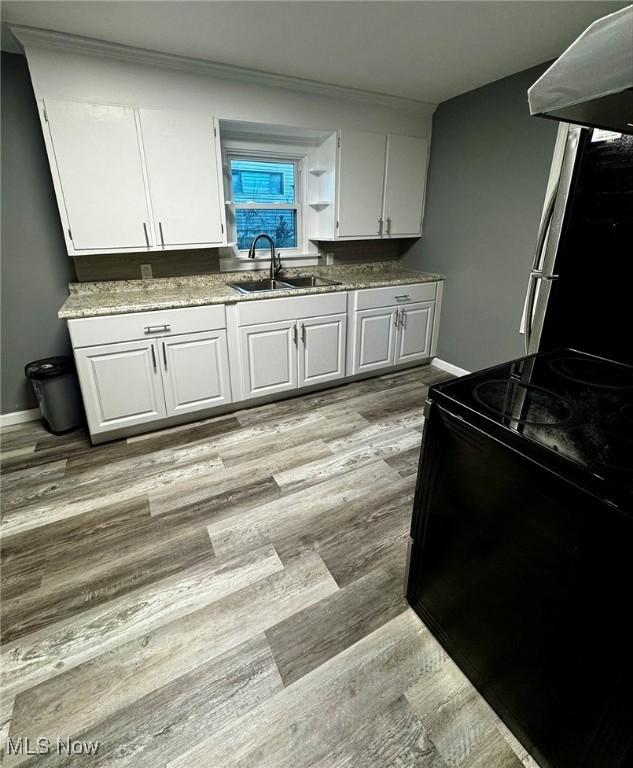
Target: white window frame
[(281, 157)]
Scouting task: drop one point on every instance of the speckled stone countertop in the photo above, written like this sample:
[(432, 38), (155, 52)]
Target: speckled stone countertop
[(120, 297)]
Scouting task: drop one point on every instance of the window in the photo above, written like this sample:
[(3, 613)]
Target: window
[(265, 198)]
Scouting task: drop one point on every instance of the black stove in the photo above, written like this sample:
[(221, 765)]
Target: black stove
[(565, 408), (521, 539)]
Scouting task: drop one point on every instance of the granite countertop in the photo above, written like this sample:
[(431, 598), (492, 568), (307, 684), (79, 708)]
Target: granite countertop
[(124, 296)]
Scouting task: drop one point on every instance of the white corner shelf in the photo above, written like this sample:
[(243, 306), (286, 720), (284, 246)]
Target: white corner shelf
[(317, 171), (320, 204)]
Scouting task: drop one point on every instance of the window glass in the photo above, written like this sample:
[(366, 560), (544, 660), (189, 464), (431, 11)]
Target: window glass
[(261, 181), (279, 223), (264, 193)]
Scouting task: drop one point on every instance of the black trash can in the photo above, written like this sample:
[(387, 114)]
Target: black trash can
[(57, 391)]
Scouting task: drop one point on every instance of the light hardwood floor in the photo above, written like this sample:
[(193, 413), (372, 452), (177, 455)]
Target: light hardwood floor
[(230, 593)]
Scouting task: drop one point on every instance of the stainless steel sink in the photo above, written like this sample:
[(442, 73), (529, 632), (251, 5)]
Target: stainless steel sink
[(308, 281), (303, 281), (255, 286)]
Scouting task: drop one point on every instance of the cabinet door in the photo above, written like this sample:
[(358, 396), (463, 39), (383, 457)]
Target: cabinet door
[(404, 184), (98, 160), (121, 384), (360, 183), (183, 171), (322, 349), (269, 357), (374, 339), (195, 370), (415, 331)]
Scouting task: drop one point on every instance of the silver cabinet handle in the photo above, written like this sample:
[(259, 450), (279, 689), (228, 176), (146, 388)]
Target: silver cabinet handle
[(380, 223), (153, 357), (294, 333), (403, 318), (396, 317), (164, 356), (157, 328), (160, 229), (388, 225), (303, 333), (403, 297), (146, 235)]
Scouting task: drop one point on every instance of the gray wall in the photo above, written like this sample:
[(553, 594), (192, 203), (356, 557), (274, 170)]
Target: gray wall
[(35, 268), (487, 176)]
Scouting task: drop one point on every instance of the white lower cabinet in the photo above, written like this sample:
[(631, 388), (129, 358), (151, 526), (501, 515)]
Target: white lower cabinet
[(322, 349), (374, 345), (195, 371), (415, 332), (282, 356), (269, 357), (151, 366), (404, 330), (121, 384), (126, 384)]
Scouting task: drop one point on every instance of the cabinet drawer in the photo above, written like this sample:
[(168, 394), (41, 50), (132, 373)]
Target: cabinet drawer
[(89, 331), (291, 308), (371, 298)]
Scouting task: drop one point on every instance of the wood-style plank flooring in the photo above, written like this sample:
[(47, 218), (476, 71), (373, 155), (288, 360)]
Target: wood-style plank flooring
[(230, 593)]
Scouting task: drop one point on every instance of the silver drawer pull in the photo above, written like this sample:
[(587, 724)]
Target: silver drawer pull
[(403, 297), (157, 328)]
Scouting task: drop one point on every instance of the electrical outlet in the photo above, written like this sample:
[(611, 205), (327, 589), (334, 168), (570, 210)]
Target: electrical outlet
[(329, 259), (146, 271)]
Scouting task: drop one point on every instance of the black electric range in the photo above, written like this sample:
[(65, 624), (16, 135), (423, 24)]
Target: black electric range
[(569, 409), (521, 559)]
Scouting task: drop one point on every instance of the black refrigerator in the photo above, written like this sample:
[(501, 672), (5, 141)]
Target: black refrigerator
[(580, 287)]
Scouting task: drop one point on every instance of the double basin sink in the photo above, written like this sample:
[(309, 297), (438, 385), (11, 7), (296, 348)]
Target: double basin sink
[(302, 281)]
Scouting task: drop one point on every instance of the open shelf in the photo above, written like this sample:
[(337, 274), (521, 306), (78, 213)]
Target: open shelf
[(317, 171)]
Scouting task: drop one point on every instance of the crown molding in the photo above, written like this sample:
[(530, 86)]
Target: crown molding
[(44, 38)]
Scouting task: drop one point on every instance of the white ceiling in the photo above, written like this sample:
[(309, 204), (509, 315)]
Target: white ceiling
[(428, 51)]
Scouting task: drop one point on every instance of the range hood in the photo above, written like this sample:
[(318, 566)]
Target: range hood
[(592, 81)]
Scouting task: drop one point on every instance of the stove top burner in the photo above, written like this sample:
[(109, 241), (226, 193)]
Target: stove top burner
[(607, 448), (522, 403), (594, 373)]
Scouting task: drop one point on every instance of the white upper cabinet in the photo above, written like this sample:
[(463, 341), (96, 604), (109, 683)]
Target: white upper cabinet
[(380, 184), (184, 173), (361, 174), (135, 179), (404, 184), (99, 179)]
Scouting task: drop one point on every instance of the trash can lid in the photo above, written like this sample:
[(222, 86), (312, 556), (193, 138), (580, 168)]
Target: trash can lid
[(49, 367)]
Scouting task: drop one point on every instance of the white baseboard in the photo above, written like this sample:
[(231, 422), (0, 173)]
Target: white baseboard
[(19, 417), (449, 367)]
